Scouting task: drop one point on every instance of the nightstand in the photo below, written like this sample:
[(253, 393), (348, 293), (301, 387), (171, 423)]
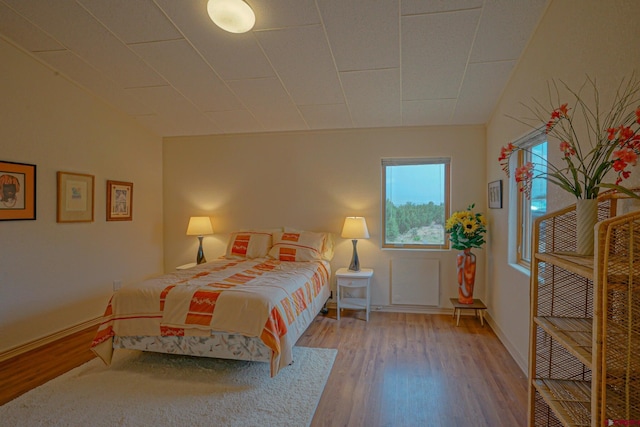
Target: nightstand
[(347, 279), (186, 266)]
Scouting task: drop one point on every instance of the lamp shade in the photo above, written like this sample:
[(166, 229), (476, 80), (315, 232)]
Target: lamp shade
[(355, 227), (234, 16), (199, 226)]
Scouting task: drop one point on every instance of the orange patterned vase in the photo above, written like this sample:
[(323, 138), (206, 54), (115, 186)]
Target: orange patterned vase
[(466, 276)]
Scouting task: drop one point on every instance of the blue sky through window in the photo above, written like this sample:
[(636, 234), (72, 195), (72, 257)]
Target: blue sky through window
[(418, 184)]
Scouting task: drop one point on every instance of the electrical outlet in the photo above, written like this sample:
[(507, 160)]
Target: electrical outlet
[(117, 284)]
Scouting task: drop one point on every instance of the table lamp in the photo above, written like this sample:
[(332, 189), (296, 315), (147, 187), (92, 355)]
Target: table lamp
[(199, 226), (355, 227)]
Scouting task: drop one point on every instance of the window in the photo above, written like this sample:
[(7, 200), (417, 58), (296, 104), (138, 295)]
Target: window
[(416, 203), (530, 209)]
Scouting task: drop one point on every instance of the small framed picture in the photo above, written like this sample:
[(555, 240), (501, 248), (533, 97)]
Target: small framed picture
[(119, 201), (495, 194), (75, 197), (17, 191)]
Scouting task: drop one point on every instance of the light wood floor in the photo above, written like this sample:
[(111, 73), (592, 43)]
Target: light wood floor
[(396, 370)]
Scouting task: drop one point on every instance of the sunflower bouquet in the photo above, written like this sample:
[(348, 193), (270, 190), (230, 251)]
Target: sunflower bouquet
[(466, 229)]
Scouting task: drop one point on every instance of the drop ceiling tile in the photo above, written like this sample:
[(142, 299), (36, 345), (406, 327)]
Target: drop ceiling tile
[(481, 90), (158, 125), (25, 34), (270, 104), (235, 121), (188, 73), (74, 27), (284, 13), (302, 60), (72, 66), (442, 42), (373, 97), (132, 21), (435, 52), (167, 103), (415, 7), (505, 29), (363, 34), (233, 56), (335, 116), (426, 113)]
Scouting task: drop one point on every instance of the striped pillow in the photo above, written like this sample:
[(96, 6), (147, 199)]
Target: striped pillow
[(297, 246), (248, 244)]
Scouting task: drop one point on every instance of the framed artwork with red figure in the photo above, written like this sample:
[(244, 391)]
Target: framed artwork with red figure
[(17, 191), (119, 201)]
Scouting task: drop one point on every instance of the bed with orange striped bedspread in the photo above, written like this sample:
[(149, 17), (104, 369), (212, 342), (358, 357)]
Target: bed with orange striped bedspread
[(272, 300)]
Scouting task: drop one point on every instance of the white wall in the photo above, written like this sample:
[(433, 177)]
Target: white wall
[(55, 276), (575, 38), (312, 180)]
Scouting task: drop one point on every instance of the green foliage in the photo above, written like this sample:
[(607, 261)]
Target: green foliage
[(410, 216)]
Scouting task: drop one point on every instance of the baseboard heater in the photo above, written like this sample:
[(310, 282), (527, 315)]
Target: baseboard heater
[(415, 281)]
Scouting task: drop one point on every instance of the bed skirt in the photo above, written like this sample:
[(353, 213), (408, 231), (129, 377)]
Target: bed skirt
[(223, 346)]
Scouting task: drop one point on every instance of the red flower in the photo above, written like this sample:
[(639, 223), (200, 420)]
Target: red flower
[(619, 165), (611, 134), (626, 155), (567, 149), (560, 112), (523, 173), (564, 110), (625, 133), (506, 151), (623, 175), (524, 177)]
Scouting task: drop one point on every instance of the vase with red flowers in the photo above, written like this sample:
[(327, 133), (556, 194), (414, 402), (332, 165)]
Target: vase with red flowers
[(595, 146)]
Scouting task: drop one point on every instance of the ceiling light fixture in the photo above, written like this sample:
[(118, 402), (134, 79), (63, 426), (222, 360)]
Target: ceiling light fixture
[(234, 16)]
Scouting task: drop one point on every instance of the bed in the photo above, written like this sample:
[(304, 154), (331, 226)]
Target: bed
[(251, 304)]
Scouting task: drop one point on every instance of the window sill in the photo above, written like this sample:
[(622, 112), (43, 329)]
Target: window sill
[(414, 249), (521, 269)]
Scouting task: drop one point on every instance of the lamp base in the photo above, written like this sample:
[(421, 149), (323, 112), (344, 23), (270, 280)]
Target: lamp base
[(355, 262), (200, 258)]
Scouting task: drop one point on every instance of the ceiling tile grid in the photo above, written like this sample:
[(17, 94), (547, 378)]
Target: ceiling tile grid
[(307, 64)]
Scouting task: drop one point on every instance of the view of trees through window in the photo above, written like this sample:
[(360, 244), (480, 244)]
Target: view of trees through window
[(415, 223), (416, 202)]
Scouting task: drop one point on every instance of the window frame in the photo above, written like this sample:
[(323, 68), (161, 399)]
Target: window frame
[(446, 161), (524, 217)]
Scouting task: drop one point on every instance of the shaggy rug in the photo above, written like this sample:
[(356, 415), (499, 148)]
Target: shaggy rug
[(151, 389)]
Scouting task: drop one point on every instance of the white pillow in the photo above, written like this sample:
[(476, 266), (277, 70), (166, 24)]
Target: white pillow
[(248, 244), (327, 244), (297, 246)]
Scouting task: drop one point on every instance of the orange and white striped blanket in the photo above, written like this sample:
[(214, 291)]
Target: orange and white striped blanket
[(270, 299)]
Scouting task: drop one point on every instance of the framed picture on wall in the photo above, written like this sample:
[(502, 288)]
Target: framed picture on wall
[(495, 194), (75, 197), (17, 191), (119, 201)]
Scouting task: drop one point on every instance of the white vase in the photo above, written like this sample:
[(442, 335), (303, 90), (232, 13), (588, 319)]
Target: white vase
[(586, 218)]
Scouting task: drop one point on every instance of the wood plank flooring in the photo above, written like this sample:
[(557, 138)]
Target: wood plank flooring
[(33, 368), (396, 370), (416, 370)]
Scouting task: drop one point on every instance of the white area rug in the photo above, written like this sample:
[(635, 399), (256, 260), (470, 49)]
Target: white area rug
[(150, 389)]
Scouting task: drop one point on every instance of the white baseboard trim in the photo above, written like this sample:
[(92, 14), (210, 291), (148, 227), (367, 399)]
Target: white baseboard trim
[(522, 363), (419, 309), (16, 351)]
